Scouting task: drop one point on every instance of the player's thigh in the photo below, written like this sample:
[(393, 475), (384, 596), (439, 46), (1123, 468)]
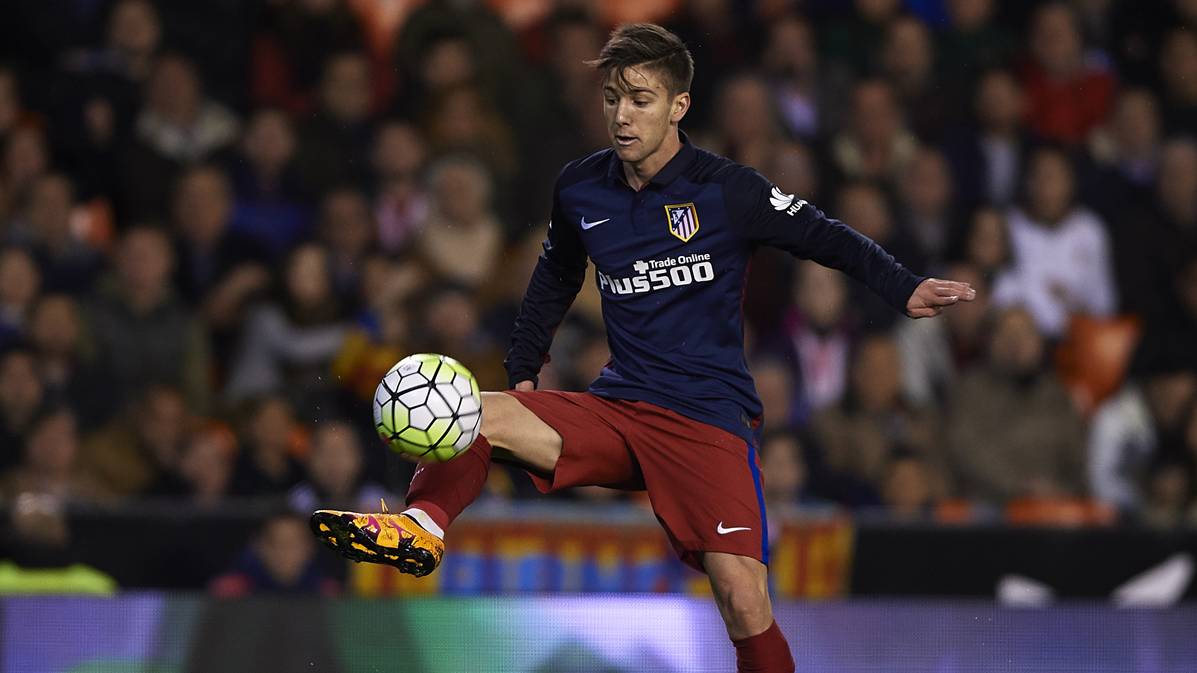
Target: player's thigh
[(704, 484), (587, 446), (741, 588), (509, 425)]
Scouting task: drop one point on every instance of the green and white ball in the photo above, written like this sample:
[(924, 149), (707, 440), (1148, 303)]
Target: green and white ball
[(428, 406)]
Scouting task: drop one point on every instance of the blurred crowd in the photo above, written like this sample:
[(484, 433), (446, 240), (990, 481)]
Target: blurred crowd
[(222, 222)]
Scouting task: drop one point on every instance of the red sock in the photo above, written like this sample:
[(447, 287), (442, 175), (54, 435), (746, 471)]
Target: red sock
[(766, 652), (443, 490)]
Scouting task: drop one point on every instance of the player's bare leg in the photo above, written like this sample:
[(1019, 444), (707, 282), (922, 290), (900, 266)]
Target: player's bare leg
[(413, 540), (518, 434), (741, 589)]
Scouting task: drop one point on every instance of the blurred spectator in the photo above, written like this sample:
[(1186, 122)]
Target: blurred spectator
[(1126, 150), (333, 477), (21, 397), (795, 170), (850, 41), (269, 195), (562, 117), (67, 263), (864, 207), (860, 435), (280, 560), (1068, 91), (11, 108), (64, 362), (49, 467), (178, 126), (972, 43), (817, 333), (1062, 259), (179, 123), (289, 51), (288, 343), (130, 454), (1168, 336), (986, 243), (1129, 429), (746, 122), (787, 478), (108, 79), (19, 283), (721, 39), (783, 463), (987, 159), (908, 64), (347, 228), (141, 330), (1158, 242), (462, 120), (203, 471), (1178, 71), (1011, 429), (776, 389), (266, 467), (460, 218), (335, 140), (383, 331), (1169, 494), (26, 159), (907, 488), (876, 144), (449, 323), (927, 213), (219, 270), (935, 353), (400, 199), (791, 65)]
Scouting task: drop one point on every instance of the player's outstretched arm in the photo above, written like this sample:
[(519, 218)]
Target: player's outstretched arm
[(555, 282), (771, 217), (933, 295)]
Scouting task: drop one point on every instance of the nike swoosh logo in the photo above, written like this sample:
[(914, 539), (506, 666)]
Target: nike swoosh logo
[(588, 225), (724, 531)]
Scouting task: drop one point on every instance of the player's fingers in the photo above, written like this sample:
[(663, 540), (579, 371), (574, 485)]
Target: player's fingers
[(925, 312), (946, 288), (943, 300)]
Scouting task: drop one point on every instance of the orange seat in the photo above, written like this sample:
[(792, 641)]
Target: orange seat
[(1092, 359), (1059, 512)]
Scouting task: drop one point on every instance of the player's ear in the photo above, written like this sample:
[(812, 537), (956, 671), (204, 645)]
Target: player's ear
[(681, 105)]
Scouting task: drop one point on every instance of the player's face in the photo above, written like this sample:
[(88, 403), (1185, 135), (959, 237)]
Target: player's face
[(640, 111)]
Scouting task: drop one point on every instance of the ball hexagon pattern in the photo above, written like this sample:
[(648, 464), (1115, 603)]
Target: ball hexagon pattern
[(428, 406)]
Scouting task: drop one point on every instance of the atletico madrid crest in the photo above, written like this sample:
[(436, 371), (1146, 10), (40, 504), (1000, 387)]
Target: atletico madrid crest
[(683, 220)]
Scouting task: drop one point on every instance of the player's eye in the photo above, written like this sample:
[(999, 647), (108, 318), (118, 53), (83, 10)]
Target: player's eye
[(610, 101), (641, 103)]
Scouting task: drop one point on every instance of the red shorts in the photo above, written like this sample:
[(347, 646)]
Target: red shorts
[(704, 482)]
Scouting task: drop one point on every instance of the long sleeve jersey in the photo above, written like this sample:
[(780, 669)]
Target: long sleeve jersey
[(671, 263)]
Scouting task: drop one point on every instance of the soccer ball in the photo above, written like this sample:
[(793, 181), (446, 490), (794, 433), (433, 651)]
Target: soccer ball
[(428, 406)]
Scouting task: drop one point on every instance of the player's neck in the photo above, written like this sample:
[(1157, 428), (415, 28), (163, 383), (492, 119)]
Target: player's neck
[(640, 172)]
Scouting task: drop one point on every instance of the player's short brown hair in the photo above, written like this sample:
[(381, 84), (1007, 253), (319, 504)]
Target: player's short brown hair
[(651, 46)]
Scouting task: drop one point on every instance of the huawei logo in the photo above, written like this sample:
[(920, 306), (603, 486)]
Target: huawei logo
[(787, 202)]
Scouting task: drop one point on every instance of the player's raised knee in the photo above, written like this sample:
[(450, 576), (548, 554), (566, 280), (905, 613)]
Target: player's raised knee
[(508, 424)]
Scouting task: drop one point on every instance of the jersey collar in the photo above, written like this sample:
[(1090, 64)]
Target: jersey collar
[(668, 172)]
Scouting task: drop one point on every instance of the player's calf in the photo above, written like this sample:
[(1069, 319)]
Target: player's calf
[(741, 592)]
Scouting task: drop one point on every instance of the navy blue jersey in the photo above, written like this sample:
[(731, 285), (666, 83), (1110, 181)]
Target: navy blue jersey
[(671, 262)]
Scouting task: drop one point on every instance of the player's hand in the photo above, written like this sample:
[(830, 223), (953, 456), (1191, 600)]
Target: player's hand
[(525, 386), (933, 295)]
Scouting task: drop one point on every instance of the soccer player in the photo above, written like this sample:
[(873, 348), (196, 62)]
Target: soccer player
[(670, 229)]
